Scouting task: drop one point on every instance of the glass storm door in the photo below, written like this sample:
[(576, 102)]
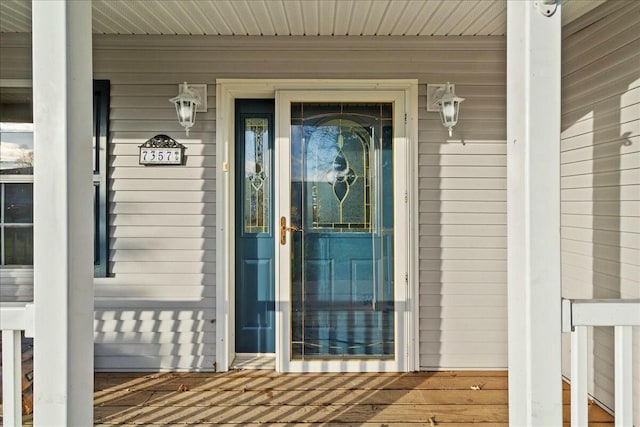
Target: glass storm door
[(254, 231), (337, 243)]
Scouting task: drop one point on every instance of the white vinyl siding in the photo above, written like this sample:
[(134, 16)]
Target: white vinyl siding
[(601, 174), (157, 311)]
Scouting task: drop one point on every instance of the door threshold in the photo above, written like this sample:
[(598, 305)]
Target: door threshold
[(254, 361)]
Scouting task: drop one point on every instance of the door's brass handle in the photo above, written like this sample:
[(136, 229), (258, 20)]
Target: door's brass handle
[(284, 229)]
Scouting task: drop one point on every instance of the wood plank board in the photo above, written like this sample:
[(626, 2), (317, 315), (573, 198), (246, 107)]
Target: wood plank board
[(253, 398)]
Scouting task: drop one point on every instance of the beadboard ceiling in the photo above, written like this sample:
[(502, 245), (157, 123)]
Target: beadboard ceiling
[(293, 17)]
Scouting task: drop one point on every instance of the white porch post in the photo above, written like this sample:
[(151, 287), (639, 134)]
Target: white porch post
[(533, 214), (63, 213)]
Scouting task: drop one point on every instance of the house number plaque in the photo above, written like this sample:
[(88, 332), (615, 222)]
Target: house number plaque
[(161, 150)]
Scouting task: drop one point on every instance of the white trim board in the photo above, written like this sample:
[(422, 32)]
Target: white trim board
[(227, 90)]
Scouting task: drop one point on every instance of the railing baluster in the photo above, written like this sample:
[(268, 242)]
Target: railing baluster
[(623, 315), (11, 378), (579, 396), (623, 376)]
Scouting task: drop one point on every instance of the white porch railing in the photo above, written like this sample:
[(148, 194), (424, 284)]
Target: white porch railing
[(622, 314), (14, 318)]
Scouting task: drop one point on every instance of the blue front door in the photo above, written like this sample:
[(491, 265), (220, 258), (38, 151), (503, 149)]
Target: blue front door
[(254, 231)]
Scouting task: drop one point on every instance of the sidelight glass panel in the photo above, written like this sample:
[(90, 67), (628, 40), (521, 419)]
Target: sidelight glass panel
[(342, 259), (256, 175)]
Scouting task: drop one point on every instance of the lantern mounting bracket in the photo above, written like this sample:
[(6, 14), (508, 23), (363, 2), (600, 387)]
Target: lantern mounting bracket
[(201, 91), (434, 93)]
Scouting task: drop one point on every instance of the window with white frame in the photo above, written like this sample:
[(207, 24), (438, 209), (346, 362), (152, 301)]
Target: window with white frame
[(16, 175)]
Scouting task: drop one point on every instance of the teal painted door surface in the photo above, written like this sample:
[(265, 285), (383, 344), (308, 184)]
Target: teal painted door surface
[(342, 290), (254, 231)]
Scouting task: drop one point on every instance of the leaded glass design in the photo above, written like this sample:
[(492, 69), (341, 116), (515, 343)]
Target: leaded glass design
[(256, 175), (342, 291), (338, 162)]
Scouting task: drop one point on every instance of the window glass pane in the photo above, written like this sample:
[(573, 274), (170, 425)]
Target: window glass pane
[(16, 105), (16, 148), (18, 203), (18, 245), (256, 175)]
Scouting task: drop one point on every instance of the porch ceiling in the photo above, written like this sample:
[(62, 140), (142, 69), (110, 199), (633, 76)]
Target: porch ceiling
[(293, 17)]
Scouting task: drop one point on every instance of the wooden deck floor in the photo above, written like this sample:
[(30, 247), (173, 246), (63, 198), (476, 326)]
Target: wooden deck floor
[(265, 397)]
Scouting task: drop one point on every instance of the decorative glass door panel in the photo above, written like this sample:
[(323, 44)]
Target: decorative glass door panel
[(254, 237), (342, 244)]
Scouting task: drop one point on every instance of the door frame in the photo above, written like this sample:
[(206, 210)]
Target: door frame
[(227, 91)]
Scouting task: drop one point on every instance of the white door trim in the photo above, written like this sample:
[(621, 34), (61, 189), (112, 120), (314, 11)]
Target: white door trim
[(227, 90)]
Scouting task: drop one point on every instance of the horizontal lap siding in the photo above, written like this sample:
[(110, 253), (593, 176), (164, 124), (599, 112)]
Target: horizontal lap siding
[(162, 231), (462, 196), (163, 219), (462, 244), (601, 175), (157, 308), (461, 188)]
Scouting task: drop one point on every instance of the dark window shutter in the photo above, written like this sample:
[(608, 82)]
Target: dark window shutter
[(101, 89)]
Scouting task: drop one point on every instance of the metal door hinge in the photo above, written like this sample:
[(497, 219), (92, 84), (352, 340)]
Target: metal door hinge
[(406, 197), (405, 118)]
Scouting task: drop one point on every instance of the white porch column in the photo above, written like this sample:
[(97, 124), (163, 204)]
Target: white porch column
[(533, 214), (63, 213)]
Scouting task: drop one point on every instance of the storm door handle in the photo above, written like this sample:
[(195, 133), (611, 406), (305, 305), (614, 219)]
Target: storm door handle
[(284, 229)]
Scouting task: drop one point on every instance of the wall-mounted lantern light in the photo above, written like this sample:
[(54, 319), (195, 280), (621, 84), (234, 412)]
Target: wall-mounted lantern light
[(191, 98), (441, 98)]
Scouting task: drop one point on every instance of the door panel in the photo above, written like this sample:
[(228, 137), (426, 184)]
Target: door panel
[(254, 231), (341, 188)]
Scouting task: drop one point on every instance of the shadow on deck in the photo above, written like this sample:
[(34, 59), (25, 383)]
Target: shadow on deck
[(251, 398), (265, 397)]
